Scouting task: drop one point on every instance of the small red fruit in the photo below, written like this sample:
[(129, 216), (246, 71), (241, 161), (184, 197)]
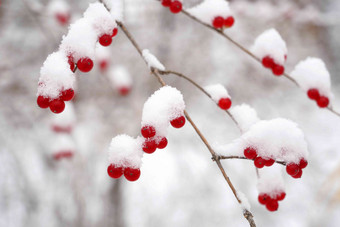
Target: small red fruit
[(229, 22), (250, 153), (176, 7), (162, 143), (259, 162), (67, 95), (149, 146), (224, 103), (218, 22), (43, 102), (303, 163), (105, 40), (268, 62), (114, 171), (62, 18), (103, 64), (114, 32), (323, 102), (278, 70), (298, 175), (124, 90), (57, 106), (313, 94), (281, 196), (292, 169), (148, 131), (269, 162), (85, 64), (166, 3), (71, 62), (131, 174), (272, 205), (178, 122), (263, 198)]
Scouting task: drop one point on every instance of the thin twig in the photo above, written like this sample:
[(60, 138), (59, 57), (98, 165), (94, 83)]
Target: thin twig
[(240, 157)]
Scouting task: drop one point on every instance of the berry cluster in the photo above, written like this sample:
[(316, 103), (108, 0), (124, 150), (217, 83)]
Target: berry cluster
[(174, 6), (277, 69), (220, 22), (295, 170), (259, 162), (321, 100), (224, 103), (131, 174), (56, 105), (271, 201), (62, 154)]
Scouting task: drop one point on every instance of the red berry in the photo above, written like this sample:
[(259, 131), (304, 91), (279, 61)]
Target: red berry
[(259, 162), (298, 175), (114, 171), (281, 196), (103, 65), (268, 62), (278, 70), (105, 40), (57, 106), (285, 57), (292, 169), (272, 205), (313, 94), (269, 162), (224, 103), (67, 154), (263, 198), (131, 174), (250, 153), (303, 163), (57, 128), (323, 102), (62, 18), (124, 90), (218, 22), (229, 22), (57, 156), (114, 32), (85, 64), (176, 7), (149, 146), (148, 131), (43, 102), (162, 143), (166, 3), (71, 62), (178, 122), (67, 95)]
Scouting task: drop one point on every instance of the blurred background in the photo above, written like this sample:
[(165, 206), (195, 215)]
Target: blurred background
[(180, 185)]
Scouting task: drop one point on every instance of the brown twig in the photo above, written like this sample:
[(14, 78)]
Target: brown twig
[(240, 157)]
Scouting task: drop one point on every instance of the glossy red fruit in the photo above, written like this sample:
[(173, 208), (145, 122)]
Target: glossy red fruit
[(176, 7), (292, 169), (43, 102), (178, 122), (124, 90), (62, 18), (114, 32), (269, 162), (224, 103), (278, 70), (85, 64), (218, 22), (148, 131), (57, 106), (229, 22), (263, 198), (250, 153), (162, 143), (67, 95), (71, 62), (268, 62), (281, 196), (105, 40), (298, 175), (166, 3), (313, 94), (131, 174), (323, 102), (303, 163), (259, 162), (272, 205), (114, 171), (103, 64), (149, 146)]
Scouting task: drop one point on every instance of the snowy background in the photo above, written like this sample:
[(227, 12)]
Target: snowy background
[(180, 185)]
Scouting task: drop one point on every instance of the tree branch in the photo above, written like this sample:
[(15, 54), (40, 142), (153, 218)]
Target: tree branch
[(240, 157)]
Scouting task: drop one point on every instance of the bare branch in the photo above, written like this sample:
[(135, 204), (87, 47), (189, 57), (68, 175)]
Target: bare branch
[(240, 157)]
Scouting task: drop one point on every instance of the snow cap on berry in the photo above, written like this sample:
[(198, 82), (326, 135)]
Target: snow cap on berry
[(312, 73), (152, 61), (55, 76), (120, 77), (126, 151), (270, 43), (217, 91), (209, 9), (245, 116)]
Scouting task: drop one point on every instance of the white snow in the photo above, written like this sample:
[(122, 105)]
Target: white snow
[(102, 53), (163, 106), (58, 6), (312, 73), (116, 8), (152, 61), (62, 143), (55, 76), (270, 181), (217, 91), (270, 43), (65, 119), (126, 151), (120, 77), (245, 116), (209, 9), (245, 205)]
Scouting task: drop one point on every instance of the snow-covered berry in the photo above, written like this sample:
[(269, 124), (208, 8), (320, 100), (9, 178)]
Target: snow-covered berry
[(131, 174), (292, 169), (67, 95), (105, 40), (263, 198), (148, 131), (85, 64), (57, 106), (149, 146), (43, 102), (176, 7), (250, 153), (269, 162), (303, 163), (281, 196), (162, 143), (114, 171), (178, 122)]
